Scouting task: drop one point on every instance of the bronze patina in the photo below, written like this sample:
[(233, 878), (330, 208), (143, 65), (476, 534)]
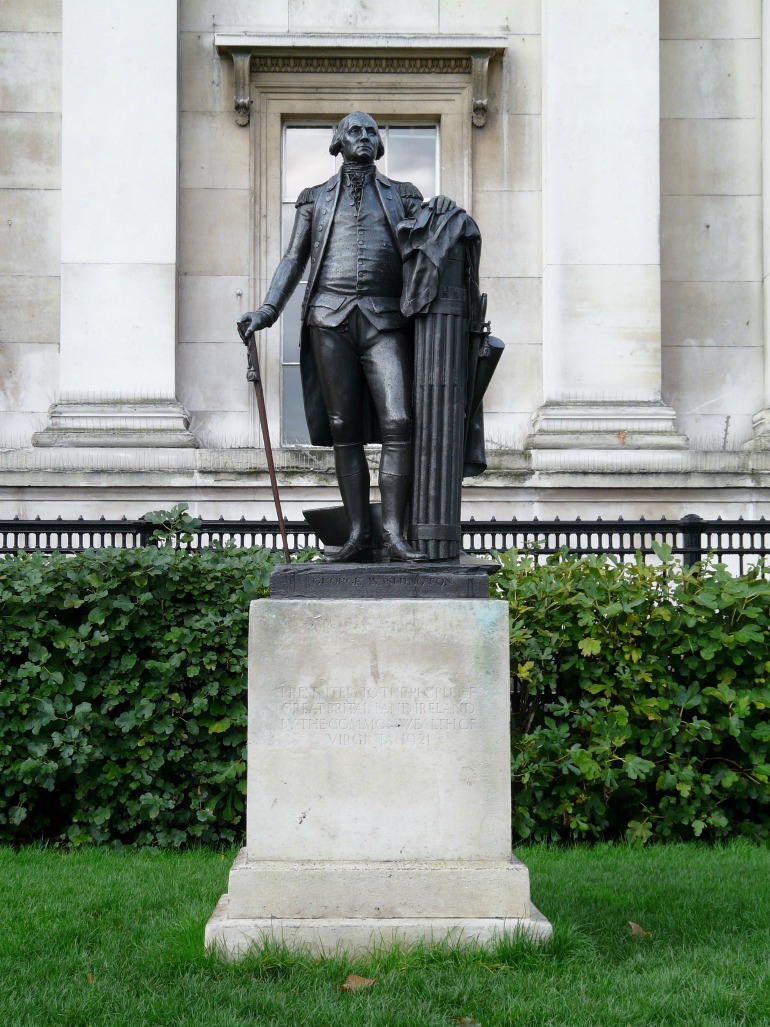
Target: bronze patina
[(386, 266)]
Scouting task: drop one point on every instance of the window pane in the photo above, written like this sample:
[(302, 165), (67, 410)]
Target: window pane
[(290, 326), (293, 412), (307, 160), (411, 155)]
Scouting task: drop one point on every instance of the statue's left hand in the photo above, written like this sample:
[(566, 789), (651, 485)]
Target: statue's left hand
[(440, 204)]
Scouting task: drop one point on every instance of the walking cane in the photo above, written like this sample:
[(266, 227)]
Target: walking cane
[(253, 375)]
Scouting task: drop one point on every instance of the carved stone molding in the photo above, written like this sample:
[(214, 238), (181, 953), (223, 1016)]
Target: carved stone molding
[(382, 64), (403, 55)]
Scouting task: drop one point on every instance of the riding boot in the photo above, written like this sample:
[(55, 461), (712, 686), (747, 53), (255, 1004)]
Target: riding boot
[(353, 478), (395, 480)]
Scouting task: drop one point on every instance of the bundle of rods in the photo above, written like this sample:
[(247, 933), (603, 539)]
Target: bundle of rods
[(440, 383)]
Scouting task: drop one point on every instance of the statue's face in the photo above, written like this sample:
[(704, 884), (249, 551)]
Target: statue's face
[(360, 139)]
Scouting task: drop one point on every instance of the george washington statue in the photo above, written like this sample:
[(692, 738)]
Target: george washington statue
[(356, 355)]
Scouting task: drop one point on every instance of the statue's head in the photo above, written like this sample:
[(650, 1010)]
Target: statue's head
[(358, 139)]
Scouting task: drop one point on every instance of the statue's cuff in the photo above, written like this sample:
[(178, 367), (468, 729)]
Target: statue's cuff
[(272, 310)]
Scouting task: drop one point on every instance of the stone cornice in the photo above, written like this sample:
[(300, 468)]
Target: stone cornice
[(360, 54)]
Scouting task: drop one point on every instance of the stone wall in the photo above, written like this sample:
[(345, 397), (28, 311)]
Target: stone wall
[(711, 257), (711, 217), (214, 217)]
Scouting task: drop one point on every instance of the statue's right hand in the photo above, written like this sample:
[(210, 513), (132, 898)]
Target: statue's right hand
[(254, 321)]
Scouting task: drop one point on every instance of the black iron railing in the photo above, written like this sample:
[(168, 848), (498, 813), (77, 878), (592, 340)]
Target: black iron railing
[(75, 536), (738, 543)]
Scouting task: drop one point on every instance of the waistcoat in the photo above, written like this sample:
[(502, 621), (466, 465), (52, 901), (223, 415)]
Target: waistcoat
[(361, 257)]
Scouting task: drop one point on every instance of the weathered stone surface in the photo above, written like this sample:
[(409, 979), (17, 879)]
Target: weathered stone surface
[(439, 888), (214, 231), (710, 78), (353, 16), (711, 19), (698, 157), (711, 238)]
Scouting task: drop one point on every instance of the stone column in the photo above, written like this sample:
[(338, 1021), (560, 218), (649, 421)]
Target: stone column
[(119, 217), (601, 245), (761, 420)]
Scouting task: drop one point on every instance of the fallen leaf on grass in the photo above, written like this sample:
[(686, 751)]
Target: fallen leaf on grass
[(466, 1021), (89, 978), (637, 931), (355, 983)]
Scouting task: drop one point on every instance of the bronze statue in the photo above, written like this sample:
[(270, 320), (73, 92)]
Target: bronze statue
[(356, 354)]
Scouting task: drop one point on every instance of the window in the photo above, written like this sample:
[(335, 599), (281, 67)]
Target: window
[(411, 154)]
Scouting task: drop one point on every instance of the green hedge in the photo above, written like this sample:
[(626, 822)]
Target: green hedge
[(640, 697), (122, 694)]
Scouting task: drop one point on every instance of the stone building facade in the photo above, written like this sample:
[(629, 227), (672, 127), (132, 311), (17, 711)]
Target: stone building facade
[(611, 151)]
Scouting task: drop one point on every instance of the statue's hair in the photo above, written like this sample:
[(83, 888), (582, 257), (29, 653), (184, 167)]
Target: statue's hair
[(336, 143)]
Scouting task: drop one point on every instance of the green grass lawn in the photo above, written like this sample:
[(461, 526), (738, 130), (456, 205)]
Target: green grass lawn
[(102, 938)]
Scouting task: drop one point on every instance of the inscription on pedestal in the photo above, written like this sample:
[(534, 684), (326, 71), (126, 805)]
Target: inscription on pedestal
[(381, 581), (378, 730), (378, 716)]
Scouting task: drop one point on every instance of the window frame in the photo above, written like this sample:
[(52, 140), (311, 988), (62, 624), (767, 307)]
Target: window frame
[(280, 97)]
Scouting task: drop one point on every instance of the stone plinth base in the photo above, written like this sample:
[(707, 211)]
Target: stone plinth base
[(378, 806), (437, 889), (612, 425), (358, 936), (116, 424)]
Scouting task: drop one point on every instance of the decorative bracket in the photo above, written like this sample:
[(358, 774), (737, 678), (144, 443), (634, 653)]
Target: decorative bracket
[(480, 72), (361, 55), (241, 65)]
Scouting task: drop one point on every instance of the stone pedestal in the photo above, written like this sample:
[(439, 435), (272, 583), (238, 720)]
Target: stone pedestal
[(378, 803)]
